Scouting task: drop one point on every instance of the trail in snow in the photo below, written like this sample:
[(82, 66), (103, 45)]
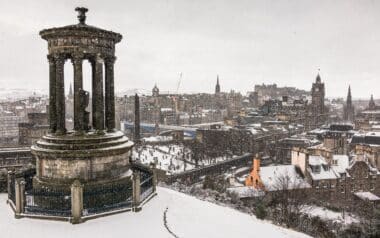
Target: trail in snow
[(166, 224), (188, 217)]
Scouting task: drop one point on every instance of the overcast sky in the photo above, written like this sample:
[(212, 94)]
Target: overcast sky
[(245, 42)]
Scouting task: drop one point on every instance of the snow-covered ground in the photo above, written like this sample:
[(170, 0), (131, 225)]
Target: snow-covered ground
[(186, 217), (326, 214), (171, 158), (166, 157)]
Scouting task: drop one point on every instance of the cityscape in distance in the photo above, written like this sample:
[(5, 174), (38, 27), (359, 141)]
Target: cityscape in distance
[(190, 119)]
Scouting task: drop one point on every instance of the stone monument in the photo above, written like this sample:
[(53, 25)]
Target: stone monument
[(94, 152)]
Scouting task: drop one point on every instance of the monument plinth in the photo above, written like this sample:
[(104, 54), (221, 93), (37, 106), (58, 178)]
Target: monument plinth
[(94, 152)]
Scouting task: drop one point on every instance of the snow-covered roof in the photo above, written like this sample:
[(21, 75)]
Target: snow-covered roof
[(340, 163), (185, 216), (316, 160), (324, 170), (273, 177), (367, 196)]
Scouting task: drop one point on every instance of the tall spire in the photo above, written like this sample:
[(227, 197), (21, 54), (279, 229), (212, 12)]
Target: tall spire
[(349, 110), (318, 79), (349, 97), (217, 87)]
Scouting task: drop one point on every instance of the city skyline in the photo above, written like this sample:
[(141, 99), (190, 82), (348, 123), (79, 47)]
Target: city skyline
[(246, 43)]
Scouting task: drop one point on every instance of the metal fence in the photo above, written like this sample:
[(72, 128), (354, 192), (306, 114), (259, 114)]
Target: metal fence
[(50, 202), (94, 199), (106, 198), (12, 189), (146, 185)]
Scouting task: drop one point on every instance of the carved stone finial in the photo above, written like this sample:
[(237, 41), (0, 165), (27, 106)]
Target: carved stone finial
[(81, 14)]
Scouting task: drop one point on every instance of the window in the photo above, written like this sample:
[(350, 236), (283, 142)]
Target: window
[(372, 186), (342, 188)]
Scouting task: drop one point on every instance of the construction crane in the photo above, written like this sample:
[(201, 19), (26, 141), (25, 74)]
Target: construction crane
[(176, 96), (179, 82)]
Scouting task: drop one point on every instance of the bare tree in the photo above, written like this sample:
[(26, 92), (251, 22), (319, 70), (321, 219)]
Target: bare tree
[(289, 198)]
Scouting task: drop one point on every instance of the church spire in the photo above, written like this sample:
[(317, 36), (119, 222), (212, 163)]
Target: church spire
[(349, 109), (217, 87), (349, 97)]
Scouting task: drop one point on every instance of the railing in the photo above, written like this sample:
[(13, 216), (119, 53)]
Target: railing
[(146, 188), (12, 188), (79, 202), (50, 202), (106, 198)]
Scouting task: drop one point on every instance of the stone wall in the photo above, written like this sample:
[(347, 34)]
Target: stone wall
[(86, 169), (219, 168)]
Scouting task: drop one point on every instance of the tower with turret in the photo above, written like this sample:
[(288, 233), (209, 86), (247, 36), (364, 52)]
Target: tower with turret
[(372, 104), (317, 110)]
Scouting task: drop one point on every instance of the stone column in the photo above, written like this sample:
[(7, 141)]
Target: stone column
[(110, 93), (78, 84), (137, 119), (97, 95), (52, 95), (136, 190), (60, 95), (76, 202), (20, 197)]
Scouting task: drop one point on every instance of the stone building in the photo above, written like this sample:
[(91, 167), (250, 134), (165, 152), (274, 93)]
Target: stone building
[(372, 105), (369, 119), (36, 127), (367, 146), (284, 147), (339, 181), (9, 129)]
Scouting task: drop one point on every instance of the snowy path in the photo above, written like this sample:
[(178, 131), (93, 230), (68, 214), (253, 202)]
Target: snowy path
[(186, 216), (167, 225)]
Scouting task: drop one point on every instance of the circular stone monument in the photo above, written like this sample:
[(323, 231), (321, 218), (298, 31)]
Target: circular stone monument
[(94, 152)]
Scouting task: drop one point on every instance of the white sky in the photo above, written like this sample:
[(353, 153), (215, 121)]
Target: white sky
[(245, 42)]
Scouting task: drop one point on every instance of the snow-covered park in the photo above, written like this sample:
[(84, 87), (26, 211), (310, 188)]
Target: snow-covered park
[(185, 216), (172, 158)]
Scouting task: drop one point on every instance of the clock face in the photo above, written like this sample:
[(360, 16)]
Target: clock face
[(317, 89)]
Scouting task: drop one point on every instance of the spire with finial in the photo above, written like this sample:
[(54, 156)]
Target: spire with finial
[(318, 79), (81, 14), (217, 87), (349, 91), (349, 110)]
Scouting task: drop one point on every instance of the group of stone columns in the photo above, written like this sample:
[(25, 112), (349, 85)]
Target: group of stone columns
[(100, 106)]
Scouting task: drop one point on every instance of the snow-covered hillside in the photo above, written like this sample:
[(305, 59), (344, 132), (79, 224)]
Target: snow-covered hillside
[(186, 217)]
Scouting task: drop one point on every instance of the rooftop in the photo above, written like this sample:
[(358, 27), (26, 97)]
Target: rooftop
[(276, 177), (367, 196)]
